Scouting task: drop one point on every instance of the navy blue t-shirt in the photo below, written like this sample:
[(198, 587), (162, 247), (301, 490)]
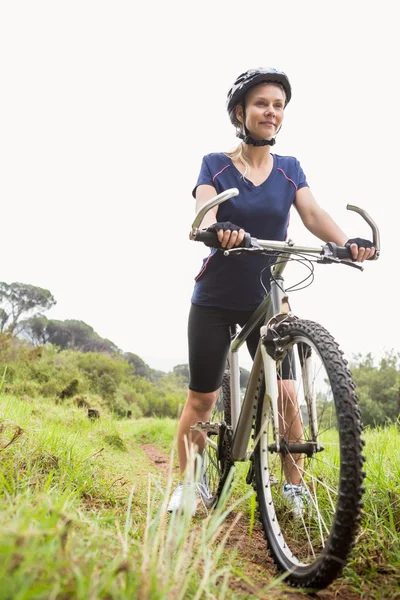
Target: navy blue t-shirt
[(233, 282)]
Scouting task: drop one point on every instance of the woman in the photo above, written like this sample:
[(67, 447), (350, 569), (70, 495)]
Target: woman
[(228, 290)]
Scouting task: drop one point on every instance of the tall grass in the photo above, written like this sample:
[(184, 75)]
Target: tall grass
[(83, 519), (3, 377), (83, 514), (377, 551)]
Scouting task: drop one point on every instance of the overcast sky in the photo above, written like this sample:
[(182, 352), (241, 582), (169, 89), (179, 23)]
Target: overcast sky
[(106, 111)]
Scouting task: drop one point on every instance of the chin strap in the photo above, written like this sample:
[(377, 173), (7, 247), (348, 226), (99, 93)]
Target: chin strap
[(249, 140)]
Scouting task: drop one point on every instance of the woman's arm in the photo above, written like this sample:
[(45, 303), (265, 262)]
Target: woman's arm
[(321, 224), (204, 193)]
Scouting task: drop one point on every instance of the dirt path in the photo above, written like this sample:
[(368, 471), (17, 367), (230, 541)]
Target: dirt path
[(258, 567), (157, 457)]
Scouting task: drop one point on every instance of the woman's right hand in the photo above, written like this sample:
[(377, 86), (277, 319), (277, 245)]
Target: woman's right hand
[(229, 235)]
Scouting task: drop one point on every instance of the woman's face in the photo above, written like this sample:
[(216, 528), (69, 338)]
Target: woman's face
[(264, 110)]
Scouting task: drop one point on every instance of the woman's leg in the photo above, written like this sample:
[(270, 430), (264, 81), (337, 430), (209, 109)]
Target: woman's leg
[(209, 339), (290, 421), (290, 428), (198, 407)]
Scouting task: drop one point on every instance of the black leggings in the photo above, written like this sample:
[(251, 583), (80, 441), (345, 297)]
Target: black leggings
[(209, 341)]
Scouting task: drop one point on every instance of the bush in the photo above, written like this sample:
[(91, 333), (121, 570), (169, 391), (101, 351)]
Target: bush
[(46, 371)]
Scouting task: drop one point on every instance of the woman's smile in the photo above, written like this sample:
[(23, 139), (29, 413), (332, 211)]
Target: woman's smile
[(264, 110)]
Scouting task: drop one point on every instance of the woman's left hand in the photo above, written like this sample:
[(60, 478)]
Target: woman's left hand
[(360, 249)]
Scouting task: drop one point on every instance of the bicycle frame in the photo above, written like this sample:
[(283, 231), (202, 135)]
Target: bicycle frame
[(242, 415), (276, 302)]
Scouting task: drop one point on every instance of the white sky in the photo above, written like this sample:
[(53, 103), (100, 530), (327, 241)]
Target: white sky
[(106, 111)]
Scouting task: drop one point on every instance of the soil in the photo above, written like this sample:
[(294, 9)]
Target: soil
[(157, 457)]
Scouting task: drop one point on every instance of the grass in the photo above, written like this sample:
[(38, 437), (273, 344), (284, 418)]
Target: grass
[(83, 518), (83, 515), (377, 555)]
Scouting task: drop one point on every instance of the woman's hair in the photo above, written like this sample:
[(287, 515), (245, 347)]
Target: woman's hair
[(238, 154)]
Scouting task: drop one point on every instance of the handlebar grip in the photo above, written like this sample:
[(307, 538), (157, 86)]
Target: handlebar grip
[(210, 239), (340, 252)]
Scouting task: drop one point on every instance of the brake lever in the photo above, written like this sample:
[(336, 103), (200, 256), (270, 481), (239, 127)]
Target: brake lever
[(325, 260)]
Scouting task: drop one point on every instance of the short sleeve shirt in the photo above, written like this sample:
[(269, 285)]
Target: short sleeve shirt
[(238, 281)]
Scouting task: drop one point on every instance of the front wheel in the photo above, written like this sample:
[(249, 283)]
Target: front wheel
[(309, 485)]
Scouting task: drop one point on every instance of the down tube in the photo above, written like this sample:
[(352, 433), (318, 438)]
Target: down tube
[(242, 432)]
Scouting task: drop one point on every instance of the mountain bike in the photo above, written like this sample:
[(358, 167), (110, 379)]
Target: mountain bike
[(311, 546)]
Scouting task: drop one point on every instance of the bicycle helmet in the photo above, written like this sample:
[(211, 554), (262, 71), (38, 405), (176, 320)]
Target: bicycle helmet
[(241, 86)]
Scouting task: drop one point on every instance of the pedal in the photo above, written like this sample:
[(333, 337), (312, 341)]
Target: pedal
[(206, 426)]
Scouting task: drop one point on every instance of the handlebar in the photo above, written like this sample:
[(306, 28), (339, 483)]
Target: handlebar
[(376, 240), (330, 252), (209, 238)]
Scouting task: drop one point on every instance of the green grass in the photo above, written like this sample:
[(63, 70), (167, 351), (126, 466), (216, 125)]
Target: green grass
[(377, 555), (83, 515), (374, 568)]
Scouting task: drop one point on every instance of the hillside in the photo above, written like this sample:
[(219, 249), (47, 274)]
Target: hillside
[(120, 382)]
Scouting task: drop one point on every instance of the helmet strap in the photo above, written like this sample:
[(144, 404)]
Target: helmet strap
[(249, 140)]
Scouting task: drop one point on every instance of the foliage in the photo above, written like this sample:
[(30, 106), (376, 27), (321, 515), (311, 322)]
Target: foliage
[(3, 318), (378, 388), (83, 515), (244, 377), (47, 371), (71, 333), (183, 372), (139, 367), (17, 299)]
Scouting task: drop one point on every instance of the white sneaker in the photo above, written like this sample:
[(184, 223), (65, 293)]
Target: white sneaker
[(182, 496), (204, 493), (190, 495), (296, 496)]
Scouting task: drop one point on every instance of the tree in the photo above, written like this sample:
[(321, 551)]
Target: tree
[(244, 377), (3, 319), (141, 368), (17, 299), (78, 335), (183, 371), (69, 334), (377, 387), (35, 329)]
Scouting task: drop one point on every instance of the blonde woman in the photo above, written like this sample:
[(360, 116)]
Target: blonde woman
[(228, 290)]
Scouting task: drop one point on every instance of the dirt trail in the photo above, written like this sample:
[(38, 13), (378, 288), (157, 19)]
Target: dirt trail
[(258, 566), (157, 457)]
